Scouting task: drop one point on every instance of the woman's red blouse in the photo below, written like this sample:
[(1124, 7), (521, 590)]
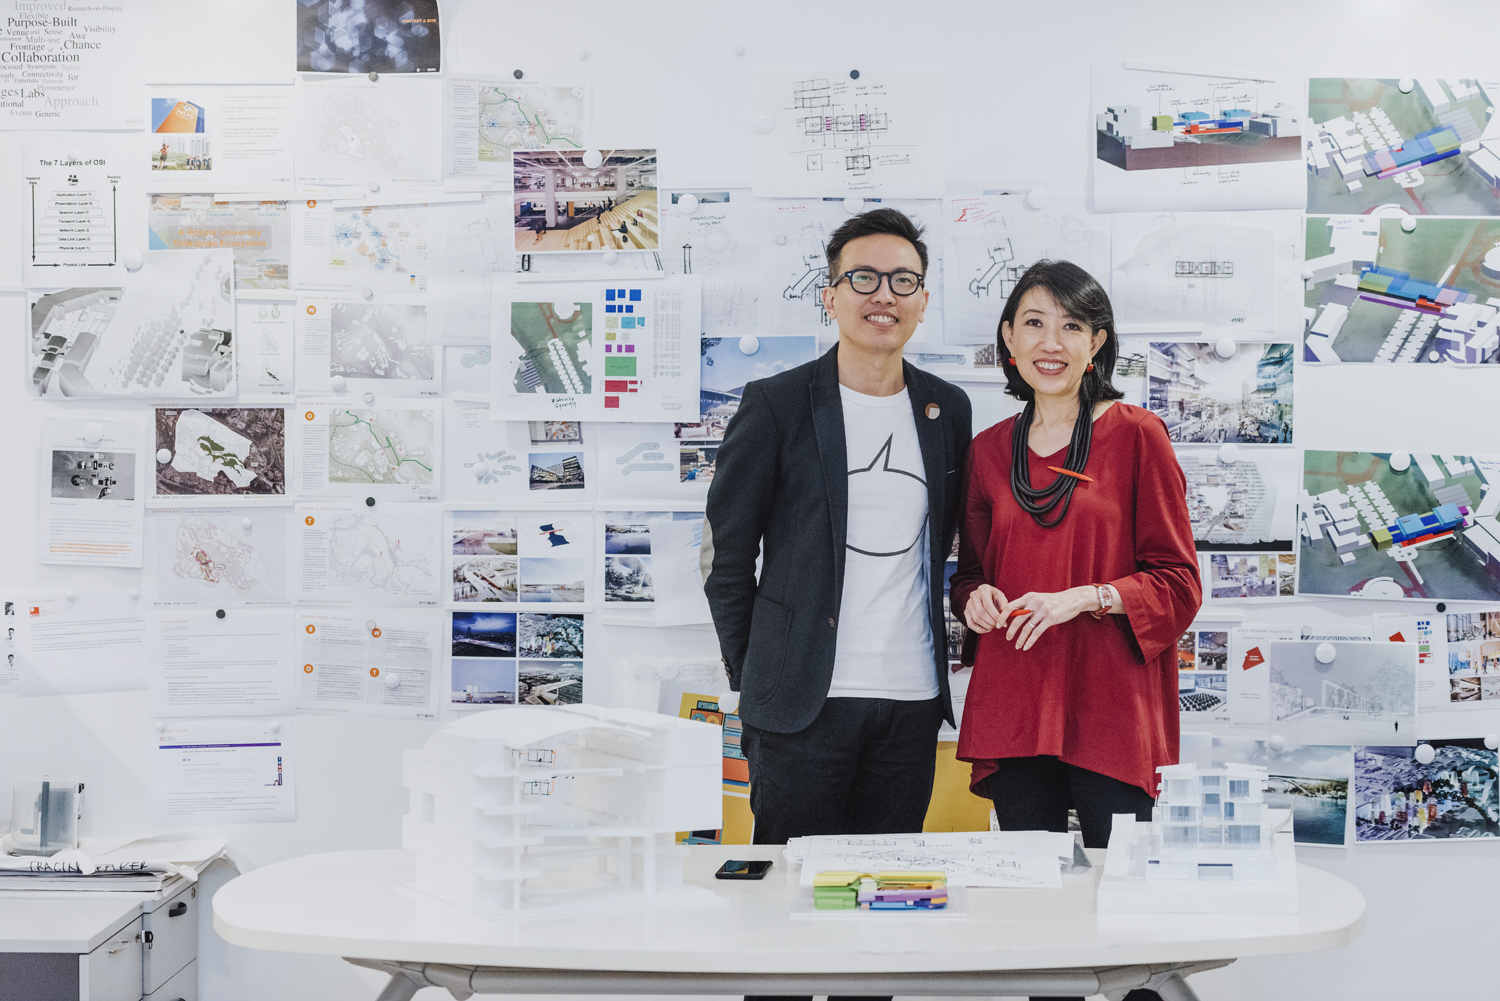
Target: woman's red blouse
[(1099, 694)]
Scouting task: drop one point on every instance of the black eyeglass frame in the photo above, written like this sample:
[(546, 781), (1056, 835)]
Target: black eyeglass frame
[(885, 277)]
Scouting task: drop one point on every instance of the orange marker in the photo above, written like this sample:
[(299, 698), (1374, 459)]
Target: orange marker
[(1018, 611), (1069, 472)]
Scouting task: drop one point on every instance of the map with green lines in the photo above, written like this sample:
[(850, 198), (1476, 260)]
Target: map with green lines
[(381, 446), (529, 117)]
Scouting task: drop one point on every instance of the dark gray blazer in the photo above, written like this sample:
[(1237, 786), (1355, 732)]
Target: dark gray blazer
[(782, 478)]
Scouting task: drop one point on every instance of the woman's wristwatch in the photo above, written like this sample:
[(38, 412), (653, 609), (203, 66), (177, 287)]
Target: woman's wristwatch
[(1106, 600)]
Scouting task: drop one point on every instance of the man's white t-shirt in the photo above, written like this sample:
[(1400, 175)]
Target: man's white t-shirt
[(884, 648)]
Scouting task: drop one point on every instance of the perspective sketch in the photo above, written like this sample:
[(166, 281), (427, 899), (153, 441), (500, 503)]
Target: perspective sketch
[(1367, 692), (1204, 397)]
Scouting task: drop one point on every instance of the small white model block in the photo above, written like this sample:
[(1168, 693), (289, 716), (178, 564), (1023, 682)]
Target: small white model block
[(561, 808), (1212, 847)]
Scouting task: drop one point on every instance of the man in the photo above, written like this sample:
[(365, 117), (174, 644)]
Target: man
[(847, 471)]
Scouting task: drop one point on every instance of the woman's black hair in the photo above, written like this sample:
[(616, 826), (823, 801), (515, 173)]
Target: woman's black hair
[(1078, 295), (1082, 298)]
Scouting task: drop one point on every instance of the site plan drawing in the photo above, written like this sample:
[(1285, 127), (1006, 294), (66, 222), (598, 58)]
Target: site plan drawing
[(1380, 292), (356, 554), (354, 131), (167, 330), (1399, 525), (385, 446), (229, 452), (207, 555), (1433, 150), (488, 117), (844, 134), (1187, 141), (622, 351)]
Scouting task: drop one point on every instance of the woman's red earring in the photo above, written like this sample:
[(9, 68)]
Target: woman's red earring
[(1011, 362), (1090, 368)]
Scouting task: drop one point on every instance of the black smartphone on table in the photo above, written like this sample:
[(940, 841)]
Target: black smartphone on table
[(753, 869)]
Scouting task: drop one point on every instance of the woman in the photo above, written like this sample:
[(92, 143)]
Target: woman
[(1077, 572)]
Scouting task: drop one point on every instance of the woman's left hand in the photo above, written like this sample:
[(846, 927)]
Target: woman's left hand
[(1044, 610)]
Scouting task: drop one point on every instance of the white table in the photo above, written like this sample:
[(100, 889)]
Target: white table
[(1041, 942)]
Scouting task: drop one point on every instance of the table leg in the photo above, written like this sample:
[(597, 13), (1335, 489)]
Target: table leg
[(1175, 988), (401, 988)]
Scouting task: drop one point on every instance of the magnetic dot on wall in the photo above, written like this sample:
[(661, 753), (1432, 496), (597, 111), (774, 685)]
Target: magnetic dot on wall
[(392, 680), (219, 614), (854, 206), (780, 239), (687, 203), (480, 470), (369, 502), (517, 74), (1424, 754), (1308, 276), (739, 50), (583, 54), (369, 397), (133, 593), (1229, 453), (1408, 224), (338, 383), (1434, 356), (1405, 84), (1442, 606), (92, 432), (1224, 347), (610, 257), (1277, 742), (1325, 653), (70, 595), (247, 526), (592, 158), (274, 726), (1037, 198), (1400, 461), (854, 74), (749, 344), (729, 702), (163, 455), (764, 123), (374, 76), (133, 260), (367, 292), (159, 726), (1492, 741)]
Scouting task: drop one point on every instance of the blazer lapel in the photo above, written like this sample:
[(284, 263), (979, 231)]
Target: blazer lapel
[(932, 435), (833, 452)]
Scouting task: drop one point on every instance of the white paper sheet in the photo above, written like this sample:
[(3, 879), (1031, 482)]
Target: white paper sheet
[(94, 473), (72, 66), (221, 662), (10, 672), (831, 136), (388, 452), (220, 556), (486, 117), (264, 356), (1203, 397), (592, 350), (719, 241), (100, 342), (353, 554), (350, 248), (990, 240), (1008, 858), (1247, 577), (470, 252), (258, 232), (485, 461), (217, 138), (676, 571), (521, 558), (1250, 157), (351, 132), (357, 345), (646, 462), (220, 771), (95, 641), (79, 192), (370, 662), (1458, 656), (1365, 695)]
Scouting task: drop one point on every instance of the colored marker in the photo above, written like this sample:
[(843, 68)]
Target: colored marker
[(1018, 611)]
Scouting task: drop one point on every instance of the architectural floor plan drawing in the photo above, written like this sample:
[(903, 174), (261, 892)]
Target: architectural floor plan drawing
[(719, 243), (991, 241), (839, 134), (1399, 525), (1223, 273), (1431, 150), (1184, 141), (1381, 294)]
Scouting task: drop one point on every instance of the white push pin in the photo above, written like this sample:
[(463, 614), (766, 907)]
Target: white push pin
[(367, 292), (1424, 754), (274, 726), (163, 455), (583, 55), (133, 260), (1400, 461), (133, 593), (1325, 653), (1229, 453), (1408, 224), (370, 624), (687, 203), (781, 239), (75, 156), (369, 397), (854, 206), (749, 344), (729, 702), (1308, 276), (669, 671), (1434, 356), (610, 257), (739, 50), (764, 123), (339, 383), (1037, 198), (160, 726), (480, 470), (592, 158), (71, 595), (374, 186), (92, 432), (564, 310), (1225, 347), (1405, 84), (392, 680), (1277, 742), (1492, 741)]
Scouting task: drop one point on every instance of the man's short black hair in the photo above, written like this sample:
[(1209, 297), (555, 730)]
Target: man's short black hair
[(884, 220)]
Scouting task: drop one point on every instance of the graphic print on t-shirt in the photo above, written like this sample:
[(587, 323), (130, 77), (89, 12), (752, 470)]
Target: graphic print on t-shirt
[(915, 486)]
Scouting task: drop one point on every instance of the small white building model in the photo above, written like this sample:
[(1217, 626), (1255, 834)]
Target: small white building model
[(1213, 846), (555, 808)]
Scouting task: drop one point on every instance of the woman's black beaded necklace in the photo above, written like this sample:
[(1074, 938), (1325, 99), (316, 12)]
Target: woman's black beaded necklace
[(1057, 495)]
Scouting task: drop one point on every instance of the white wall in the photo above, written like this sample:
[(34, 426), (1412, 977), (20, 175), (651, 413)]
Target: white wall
[(665, 74)]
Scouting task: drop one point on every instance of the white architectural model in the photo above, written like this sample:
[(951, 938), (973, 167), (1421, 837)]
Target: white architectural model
[(559, 807), (1213, 846)]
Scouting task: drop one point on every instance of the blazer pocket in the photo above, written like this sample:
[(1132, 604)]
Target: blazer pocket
[(770, 625)]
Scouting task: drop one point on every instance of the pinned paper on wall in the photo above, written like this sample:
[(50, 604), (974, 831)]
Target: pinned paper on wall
[(258, 233), (1182, 141), (212, 662), (78, 642), (825, 133), (363, 345), (220, 771), (222, 452), (719, 240), (487, 118), (356, 554), (355, 132), (220, 556), (375, 36), (263, 358), (1312, 780), (369, 452), (368, 662), (219, 138), (103, 51), (94, 473), (1246, 504), (1365, 692), (565, 202)]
